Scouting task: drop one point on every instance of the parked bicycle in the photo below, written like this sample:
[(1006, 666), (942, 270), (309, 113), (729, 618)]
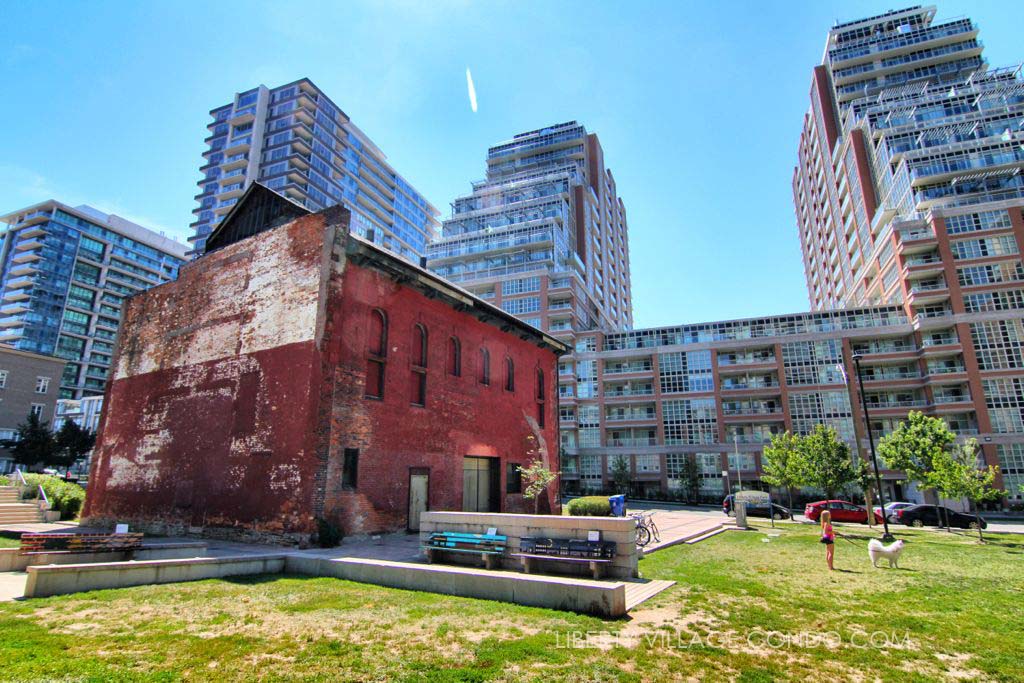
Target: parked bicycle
[(646, 529)]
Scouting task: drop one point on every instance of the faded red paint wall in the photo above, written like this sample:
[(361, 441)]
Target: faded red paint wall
[(462, 417), (237, 388), (210, 415)]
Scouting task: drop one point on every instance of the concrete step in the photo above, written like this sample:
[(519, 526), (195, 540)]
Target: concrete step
[(12, 513), (706, 536)]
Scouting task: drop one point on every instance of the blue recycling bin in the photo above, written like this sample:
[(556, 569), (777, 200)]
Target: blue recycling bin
[(618, 505)]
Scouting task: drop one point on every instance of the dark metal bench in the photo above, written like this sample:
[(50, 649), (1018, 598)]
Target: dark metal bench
[(595, 554), (79, 543), (488, 546)]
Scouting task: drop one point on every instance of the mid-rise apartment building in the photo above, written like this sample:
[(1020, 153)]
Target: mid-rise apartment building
[(908, 192), (717, 392), (64, 273), (28, 384), (544, 236), (298, 142)]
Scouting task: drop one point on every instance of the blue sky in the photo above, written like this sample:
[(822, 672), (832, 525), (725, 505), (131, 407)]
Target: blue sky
[(698, 107)]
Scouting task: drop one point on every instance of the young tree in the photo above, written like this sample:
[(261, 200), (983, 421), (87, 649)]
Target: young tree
[(914, 446), (537, 478), (783, 463), (957, 474), (34, 444), (866, 482), (621, 476), (827, 461), (72, 443), (691, 475)]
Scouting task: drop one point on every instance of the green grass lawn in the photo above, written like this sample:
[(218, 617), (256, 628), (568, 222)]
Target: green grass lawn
[(744, 609), (9, 542)]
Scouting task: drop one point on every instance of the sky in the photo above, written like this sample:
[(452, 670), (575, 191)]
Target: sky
[(698, 107)]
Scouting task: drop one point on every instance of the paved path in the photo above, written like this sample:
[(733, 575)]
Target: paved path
[(12, 585), (680, 526)]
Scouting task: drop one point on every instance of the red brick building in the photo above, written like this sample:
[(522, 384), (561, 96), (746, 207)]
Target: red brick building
[(297, 372)]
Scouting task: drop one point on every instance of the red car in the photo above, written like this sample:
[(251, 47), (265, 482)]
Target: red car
[(842, 511)]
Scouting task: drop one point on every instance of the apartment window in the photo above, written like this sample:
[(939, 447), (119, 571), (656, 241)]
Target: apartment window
[(540, 398), (376, 354), (1004, 398), (42, 385), (454, 357), (510, 375), (350, 468), (999, 344), (513, 478), (690, 421), (419, 365), (37, 409), (3, 379), (830, 408), (812, 362), (681, 372), (485, 366)]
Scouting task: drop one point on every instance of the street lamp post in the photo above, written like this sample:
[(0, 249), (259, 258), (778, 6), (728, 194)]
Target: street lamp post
[(886, 537)]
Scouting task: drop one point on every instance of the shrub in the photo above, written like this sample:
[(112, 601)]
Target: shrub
[(64, 496), (4, 481), (590, 506)]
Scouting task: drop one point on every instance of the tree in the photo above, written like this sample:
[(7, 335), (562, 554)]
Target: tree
[(783, 463), (866, 482), (914, 446), (827, 461), (691, 477), (537, 478), (621, 476), (33, 444), (72, 443), (957, 475)]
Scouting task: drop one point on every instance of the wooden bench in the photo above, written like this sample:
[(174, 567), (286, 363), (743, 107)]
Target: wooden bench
[(488, 546), (595, 554), (79, 543), (596, 566)]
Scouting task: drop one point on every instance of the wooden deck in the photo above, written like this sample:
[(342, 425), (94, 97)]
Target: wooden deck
[(639, 590)]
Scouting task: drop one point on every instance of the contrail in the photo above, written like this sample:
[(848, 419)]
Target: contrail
[(472, 90)]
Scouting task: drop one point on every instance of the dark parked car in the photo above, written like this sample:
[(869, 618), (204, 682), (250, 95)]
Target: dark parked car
[(934, 515), (778, 512), (841, 511)]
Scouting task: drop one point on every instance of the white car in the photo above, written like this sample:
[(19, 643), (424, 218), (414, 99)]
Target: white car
[(891, 508)]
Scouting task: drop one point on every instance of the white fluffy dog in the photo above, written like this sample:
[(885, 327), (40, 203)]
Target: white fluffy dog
[(891, 552)]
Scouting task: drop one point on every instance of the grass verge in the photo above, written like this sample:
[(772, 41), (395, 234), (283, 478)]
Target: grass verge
[(751, 606)]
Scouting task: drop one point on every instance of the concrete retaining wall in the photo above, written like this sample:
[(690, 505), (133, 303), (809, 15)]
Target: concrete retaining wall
[(11, 559), (553, 592), (73, 578), (618, 529)]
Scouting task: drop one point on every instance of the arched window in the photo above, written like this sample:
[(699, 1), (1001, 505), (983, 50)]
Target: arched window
[(485, 366), (419, 365), (510, 375), (541, 403), (454, 357), (376, 354)]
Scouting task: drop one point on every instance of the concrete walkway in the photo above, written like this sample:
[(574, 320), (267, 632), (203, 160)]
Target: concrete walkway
[(681, 526), (12, 585)]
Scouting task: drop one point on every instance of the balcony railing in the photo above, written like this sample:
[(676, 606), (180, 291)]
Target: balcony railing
[(752, 384), (637, 391), (626, 417), (633, 441)]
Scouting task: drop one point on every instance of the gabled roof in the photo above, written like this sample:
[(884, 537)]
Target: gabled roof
[(257, 210)]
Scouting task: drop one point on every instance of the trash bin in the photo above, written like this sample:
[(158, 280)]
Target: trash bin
[(618, 505)]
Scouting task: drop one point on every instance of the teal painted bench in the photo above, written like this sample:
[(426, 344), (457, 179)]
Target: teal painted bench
[(488, 546)]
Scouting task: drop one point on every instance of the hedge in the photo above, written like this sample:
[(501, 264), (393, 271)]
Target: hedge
[(65, 496), (590, 506)]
